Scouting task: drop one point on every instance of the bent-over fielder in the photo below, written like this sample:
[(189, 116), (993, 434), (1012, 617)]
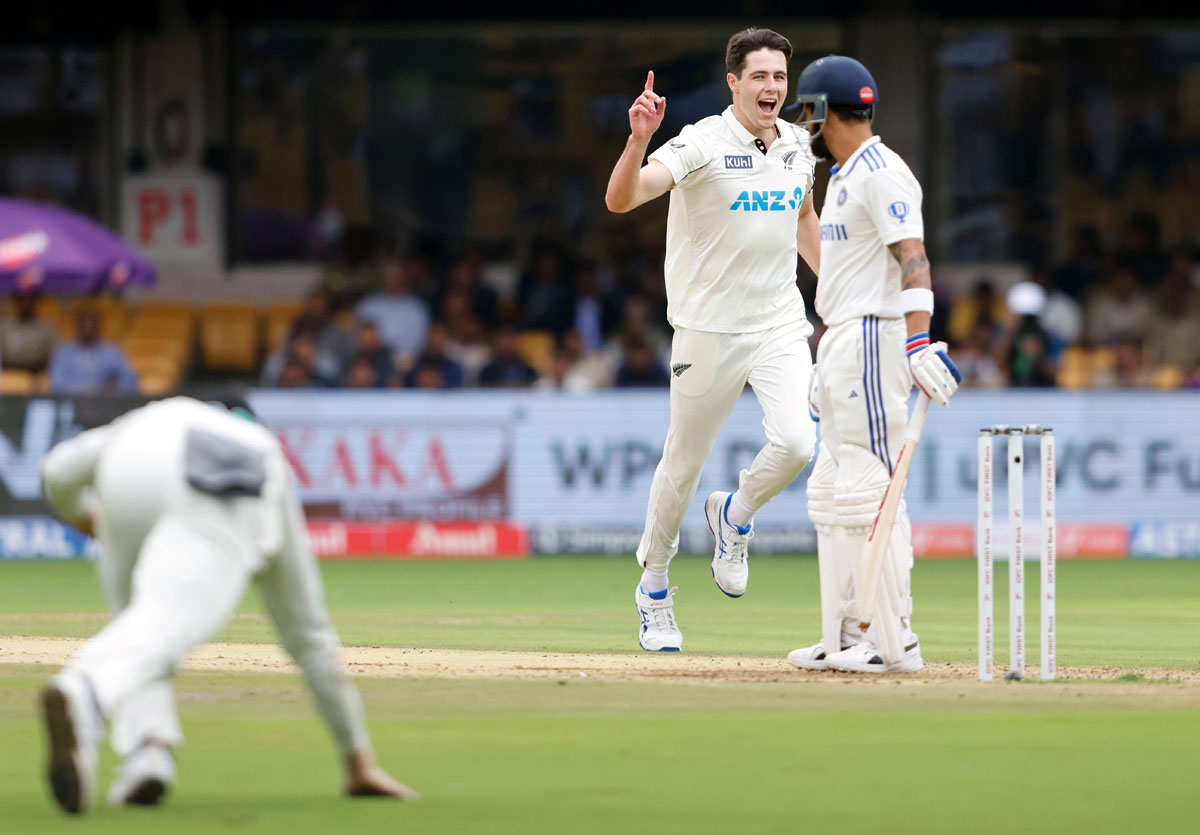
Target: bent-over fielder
[(189, 504), (741, 209)]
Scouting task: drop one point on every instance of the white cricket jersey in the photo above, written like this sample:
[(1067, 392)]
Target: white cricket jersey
[(731, 229), (872, 201)]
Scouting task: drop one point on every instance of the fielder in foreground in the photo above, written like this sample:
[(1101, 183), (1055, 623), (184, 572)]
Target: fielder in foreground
[(741, 210), (189, 504), (874, 295)]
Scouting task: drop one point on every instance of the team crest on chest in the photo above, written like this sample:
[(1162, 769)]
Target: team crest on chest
[(841, 197)]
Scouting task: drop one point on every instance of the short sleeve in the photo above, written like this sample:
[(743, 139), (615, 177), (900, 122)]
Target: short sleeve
[(893, 199), (685, 154)]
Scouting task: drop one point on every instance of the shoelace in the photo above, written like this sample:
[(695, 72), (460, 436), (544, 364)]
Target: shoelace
[(736, 552), (663, 616)]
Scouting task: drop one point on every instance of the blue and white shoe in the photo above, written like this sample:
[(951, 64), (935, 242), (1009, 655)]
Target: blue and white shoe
[(659, 632), (730, 570)]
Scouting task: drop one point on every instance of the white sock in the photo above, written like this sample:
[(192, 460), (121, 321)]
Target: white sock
[(739, 513), (654, 581)]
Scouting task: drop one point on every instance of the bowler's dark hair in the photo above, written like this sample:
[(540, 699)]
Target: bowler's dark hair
[(752, 40)]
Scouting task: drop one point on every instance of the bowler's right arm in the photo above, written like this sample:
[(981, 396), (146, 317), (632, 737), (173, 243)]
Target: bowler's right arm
[(631, 183)]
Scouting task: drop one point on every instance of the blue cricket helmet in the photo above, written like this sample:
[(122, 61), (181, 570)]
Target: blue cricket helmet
[(834, 79)]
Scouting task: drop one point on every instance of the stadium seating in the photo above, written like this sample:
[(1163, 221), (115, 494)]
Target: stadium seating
[(229, 336)]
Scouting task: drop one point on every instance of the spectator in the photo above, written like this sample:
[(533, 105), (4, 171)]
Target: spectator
[(1141, 250), (982, 306), (1062, 316), (588, 318), (1029, 356), (545, 299), (371, 355), (1191, 377), (302, 346), (295, 375), (507, 369), (464, 278), (466, 342), (434, 358), (401, 316), (1174, 334), (26, 342), (573, 369), (1131, 368), (89, 365), (641, 366), (360, 375), (1120, 309), (317, 319), (976, 357), (1081, 272)]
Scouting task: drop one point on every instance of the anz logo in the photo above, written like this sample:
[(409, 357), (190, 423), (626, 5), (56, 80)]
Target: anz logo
[(834, 232), (767, 201)]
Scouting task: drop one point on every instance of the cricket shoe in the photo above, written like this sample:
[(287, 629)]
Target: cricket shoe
[(865, 658), (659, 632), (730, 571), (811, 658), (145, 776), (75, 727)]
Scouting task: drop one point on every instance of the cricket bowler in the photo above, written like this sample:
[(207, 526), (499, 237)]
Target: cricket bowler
[(740, 212)]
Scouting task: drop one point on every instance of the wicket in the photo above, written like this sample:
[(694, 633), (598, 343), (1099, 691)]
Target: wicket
[(985, 545)]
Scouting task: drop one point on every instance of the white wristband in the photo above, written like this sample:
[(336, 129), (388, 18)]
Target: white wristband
[(916, 299)]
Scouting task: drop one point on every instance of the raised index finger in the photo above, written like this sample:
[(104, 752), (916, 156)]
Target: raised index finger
[(650, 81)]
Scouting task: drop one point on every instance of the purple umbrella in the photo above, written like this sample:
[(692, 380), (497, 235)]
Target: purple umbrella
[(49, 249)]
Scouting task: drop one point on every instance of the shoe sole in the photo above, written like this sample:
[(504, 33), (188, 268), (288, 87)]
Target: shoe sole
[(147, 793), (716, 582), (64, 771)]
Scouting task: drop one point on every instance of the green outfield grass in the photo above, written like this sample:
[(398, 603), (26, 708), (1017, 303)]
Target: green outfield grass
[(584, 756), (1110, 613)]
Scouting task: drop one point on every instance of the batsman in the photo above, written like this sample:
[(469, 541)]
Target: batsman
[(875, 298)]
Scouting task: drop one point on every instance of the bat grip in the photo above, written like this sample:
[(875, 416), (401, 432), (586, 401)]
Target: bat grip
[(916, 421)]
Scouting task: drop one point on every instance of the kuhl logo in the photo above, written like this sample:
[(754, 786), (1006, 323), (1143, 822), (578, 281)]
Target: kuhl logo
[(742, 162)]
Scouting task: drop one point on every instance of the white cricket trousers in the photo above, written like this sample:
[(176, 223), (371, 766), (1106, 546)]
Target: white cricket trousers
[(709, 373), (864, 385), (174, 563)]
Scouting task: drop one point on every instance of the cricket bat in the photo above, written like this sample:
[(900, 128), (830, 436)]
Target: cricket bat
[(871, 565)]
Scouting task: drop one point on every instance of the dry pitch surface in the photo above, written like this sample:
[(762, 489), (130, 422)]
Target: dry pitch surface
[(1175, 687)]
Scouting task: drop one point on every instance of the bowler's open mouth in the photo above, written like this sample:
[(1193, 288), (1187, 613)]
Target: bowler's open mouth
[(767, 106)]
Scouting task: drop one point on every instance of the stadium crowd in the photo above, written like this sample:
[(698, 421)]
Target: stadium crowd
[(1123, 313)]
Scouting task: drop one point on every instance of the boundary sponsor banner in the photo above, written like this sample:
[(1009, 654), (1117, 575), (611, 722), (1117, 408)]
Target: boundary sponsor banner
[(418, 540), (624, 539), (1165, 540), (954, 541), (42, 538)]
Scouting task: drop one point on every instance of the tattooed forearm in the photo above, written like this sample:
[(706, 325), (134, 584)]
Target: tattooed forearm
[(914, 266)]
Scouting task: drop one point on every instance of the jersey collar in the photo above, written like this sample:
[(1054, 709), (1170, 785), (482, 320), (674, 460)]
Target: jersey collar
[(854, 157), (739, 130)]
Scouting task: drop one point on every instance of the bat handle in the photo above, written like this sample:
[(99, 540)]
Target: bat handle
[(916, 422)]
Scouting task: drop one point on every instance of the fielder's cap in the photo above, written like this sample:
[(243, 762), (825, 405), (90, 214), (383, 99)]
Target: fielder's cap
[(834, 79)]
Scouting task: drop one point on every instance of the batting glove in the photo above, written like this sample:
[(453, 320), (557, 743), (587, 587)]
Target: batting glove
[(814, 408), (932, 370)]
